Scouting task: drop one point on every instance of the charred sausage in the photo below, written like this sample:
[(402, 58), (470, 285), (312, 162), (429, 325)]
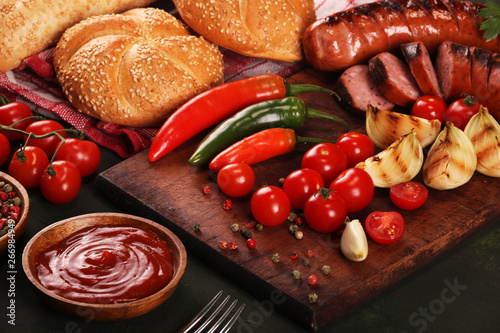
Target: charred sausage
[(422, 68), (356, 89), (453, 67), (394, 79), (354, 36)]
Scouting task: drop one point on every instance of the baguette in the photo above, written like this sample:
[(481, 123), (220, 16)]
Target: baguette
[(30, 26), (134, 69), (256, 28)]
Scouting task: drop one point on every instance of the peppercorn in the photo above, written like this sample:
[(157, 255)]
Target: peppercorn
[(281, 181), (276, 258), (232, 246), (312, 298), (227, 204), (259, 227), (312, 280), (299, 234), (325, 269), (223, 245), (305, 261), (251, 243), (235, 227), (309, 253), (206, 189), (299, 220), (296, 274), (197, 227), (293, 229), (292, 217)]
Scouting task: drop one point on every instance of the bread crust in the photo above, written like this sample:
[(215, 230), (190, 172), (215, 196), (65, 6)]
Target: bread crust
[(257, 28), (134, 69), (30, 26)]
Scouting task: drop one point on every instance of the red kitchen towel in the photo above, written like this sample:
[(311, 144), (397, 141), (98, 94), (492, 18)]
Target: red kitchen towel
[(34, 83)]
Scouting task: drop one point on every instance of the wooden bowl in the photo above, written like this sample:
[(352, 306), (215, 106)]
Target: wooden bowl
[(58, 231), (23, 216)]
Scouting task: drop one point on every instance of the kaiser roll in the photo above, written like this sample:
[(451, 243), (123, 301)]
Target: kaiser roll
[(258, 28), (135, 68), (30, 26)]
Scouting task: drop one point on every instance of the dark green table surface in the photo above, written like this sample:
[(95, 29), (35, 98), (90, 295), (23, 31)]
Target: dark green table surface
[(458, 292)]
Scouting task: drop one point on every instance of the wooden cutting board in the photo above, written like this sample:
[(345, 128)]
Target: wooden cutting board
[(169, 192)]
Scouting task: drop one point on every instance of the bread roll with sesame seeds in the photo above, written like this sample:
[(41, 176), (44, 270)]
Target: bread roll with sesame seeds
[(134, 69), (30, 26), (257, 28)]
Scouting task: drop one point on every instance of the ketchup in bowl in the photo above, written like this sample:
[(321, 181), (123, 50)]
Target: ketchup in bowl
[(106, 265)]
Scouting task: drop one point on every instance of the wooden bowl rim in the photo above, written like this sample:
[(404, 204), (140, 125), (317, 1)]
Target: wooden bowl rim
[(25, 208), (175, 241)]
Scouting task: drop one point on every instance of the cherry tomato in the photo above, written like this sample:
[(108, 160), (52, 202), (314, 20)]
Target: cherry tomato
[(429, 107), (325, 211), (29, 171), (236, 180), (64, 185), (357, 147), (84, 154), (460, 111), (300, 185), (11, 113), (409, 195), (355, 186), (270, 206), (385, 227), (327, 159), (41, 127), (4, 149)]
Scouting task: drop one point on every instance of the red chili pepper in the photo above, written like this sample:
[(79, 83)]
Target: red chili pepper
[(217, 104), (259, 147)]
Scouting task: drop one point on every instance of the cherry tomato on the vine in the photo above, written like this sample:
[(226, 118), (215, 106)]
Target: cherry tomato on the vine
[(41, 127), (84, 154), (28, 166), (64, 185), (325, 211), (270, 206), (4, 149), (300, 184), (385, 227), (357, 147), (429, 107), (460, 111), (355, 186), (327, 159), (409, 195), (11, 113), (236, 180)]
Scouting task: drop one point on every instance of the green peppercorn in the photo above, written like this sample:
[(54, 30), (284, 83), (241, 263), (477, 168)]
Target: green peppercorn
[(312, 298), (305, 261), (293, 229), (276, 258), (259, 227), (296, 274), (325, 269), (292, 217), (235, 227), (197, 227)]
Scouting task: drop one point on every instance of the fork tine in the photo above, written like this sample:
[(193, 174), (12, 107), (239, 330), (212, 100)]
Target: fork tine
[(231, 322), (221, 319), (212, 316), (200, 314)]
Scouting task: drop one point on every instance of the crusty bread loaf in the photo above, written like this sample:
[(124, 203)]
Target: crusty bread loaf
[(28, 27), (134, 69), (257, 28)]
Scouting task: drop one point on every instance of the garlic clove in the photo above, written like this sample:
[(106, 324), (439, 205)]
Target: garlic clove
[(400, 162), (353, 242), (484, 132), (451, 161), (384, 127)]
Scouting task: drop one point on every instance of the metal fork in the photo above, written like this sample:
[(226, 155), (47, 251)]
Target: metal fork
[(207, 308)]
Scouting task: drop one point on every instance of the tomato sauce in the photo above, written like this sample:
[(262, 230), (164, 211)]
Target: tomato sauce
[(106, 265)]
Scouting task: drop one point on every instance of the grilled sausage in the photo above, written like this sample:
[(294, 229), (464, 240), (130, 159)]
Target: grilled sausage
[(356, 89), (480, 62), (421, 68), (492, 100), (394, 79), (453, 67), (354, 36)]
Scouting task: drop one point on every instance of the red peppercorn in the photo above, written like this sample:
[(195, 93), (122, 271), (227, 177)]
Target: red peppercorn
[(251, 243), (312, 280), (299, 220), (294, 256), (309, 253), (223, 245), (227, 204), (4, 196), (206, 189), (251, 224), (232, 246)]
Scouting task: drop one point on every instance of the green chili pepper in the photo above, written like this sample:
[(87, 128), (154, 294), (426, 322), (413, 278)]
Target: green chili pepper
[(289, 112)]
